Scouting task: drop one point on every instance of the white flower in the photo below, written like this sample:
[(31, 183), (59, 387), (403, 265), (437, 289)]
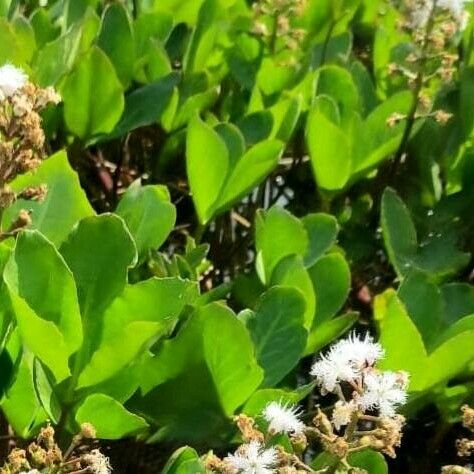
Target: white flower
[(345, 361), (253, 458), (361, 352), (11, 79), (342, 413), (332, 368), (282, 419), (97, 462), (384, 391)]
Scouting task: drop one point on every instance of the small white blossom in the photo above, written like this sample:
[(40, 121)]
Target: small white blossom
[(332, 368), (253, 458), (282, 419), (342, 413), (384, 391), (361, 352), (97, 462), (11, 79), (345, 361)]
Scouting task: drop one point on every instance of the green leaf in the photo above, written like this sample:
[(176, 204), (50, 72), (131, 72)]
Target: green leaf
[(92, 96), (41, 337), (398, 231), (277, 235), (329, 151), (378, 141), (372, 461), (204, 34), (45, 392), (138, 112), (278, 333), (65, 201), (184, 461), (322, 231), (214, 354), (290, 271), (403, 344), (331, 278), (21, 404), (459, 301), (55, 59), (99, 251), (449, 359), (54, 298), (134, 320), (285, 117), (250, 170), (438, 259), (337, 83), (116, 39), (207, 162), (11, 50), (321, 335), (149, 215), (424, 304), (118, 422)]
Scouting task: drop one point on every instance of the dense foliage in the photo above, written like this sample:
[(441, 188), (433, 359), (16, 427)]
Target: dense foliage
[(223, 189)]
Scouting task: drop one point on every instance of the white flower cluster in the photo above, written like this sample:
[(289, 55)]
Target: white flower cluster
[(253, 458), (11, 80), (456, 8), (351, 361)]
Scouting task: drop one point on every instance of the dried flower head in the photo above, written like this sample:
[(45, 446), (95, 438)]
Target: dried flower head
[(97, 462)]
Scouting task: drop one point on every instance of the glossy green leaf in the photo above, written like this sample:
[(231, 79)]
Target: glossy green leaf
[(322, 231), (249, 170), (92, 96), (118, 422), (99, 265), (138, 111), (331, 278), (214, 354), (403, 344), (277, 235), (116, 39), (207, 161), (278, 332), (65, 202), (372, 461), (21, 405), (329, 151), (135, 320), (149, 215), (290, 271), (54, 298), (184, 461)]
